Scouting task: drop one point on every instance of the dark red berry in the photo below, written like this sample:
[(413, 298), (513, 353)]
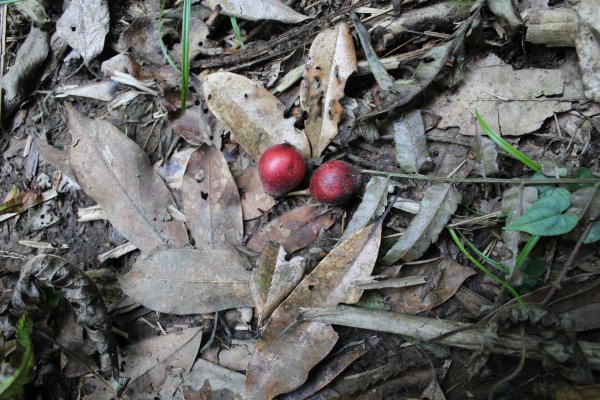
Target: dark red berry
[(281, 168), (334, 182)]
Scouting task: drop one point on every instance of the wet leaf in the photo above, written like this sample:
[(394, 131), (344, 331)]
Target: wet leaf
[(254, 10), (276, 366), (273, 279), (294, 230), (204, 281), (254, 115), (545, 217), (211, 201), (331, 60), (84, 25), (515, 202), (116, 173), (255, 201), (371, 207), (14, 379), (439, 203), (410, 140)]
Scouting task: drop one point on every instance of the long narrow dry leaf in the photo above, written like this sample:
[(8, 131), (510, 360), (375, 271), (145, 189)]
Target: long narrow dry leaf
[(331, 60), (255, 10), (187, 281), (439, 203), (410, 141), (286, 352), (113, 170), (254, 115), (211, 201)]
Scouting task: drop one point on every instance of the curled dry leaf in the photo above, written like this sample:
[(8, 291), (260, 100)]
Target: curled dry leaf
[(273, 279), (331, 60), (116, 173), (254, 199), (187, 281), (438, 205), (411, 143), (253, 114), (211, 201), (294, 230), (84, 25), (287, 351), (254, 10)]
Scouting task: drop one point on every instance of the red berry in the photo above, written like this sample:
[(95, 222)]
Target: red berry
[(281, 168), (334, 182)]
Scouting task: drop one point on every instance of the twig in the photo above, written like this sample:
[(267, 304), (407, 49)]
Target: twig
[(517, 370)]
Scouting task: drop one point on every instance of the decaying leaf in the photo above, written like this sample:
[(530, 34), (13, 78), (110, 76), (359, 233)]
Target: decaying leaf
[(275, 366), (331, 60), (515, 202), (505, 10), (211, 201), (141, 38), (254, 10), (439, 203), (410, 140), (255, 201), (218, 379), (198, 39), (273, 279), (486, 155), (114, 171), (254, 115), (194, 126), (173, 169), (371, 207), (81, 292), (35, 10), (294, 230), (587, 44), (84, 25), (187, 281)]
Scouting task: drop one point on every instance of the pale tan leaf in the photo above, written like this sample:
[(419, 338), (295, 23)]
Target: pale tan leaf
[(294, 230), (211, 201), (286, 352), (273, 279), (331, 60), (255, 201), (254, 10), (114, 171), (515, 201), (254, 115), (187, 281)]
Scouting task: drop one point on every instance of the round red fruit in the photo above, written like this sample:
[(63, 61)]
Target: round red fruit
[(281, 168), (334, 182)]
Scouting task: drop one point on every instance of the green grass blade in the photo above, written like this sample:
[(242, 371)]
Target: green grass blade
[(237, 31), (12, 385), (185, 50), (486, 271), (162, 44), (485, 258), (527, 249), (509, 148)]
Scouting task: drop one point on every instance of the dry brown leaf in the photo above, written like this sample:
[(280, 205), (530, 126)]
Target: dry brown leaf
[(194, 126), (114, 171), (331, 60), (286, 352), (254, 199), (273, 279), (255, 10), (294, 230), (173, 169), (141, 38), (197, 40), (211, 201), (187, 281), (415, 299), (253, 114)]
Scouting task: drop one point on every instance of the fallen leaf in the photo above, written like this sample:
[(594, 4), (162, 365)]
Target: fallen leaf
[(173, 169), (103, 91), (587, 45), (505, 10), (294, 230), (273, 279), (141, 38), (84, 25), (218, 377), (486, 155), (194, 126), (187, 281), (34, 10), (211, 201), (197, 39), (331, 60), (415, 299), (255, 201), (116, 173), (253, 114), (410, 140), (371, 207), (276, 366), (254, 10), (438, 205), (515, 202)]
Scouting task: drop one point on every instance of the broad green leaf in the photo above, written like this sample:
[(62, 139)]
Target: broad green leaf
[(594, 234), (12, 385), (541, 189), (545, 218), (532, 269)]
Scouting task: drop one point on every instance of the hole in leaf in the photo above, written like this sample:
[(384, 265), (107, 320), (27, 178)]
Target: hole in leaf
[(204, 195)]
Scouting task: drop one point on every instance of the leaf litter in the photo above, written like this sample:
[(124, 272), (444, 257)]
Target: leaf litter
[(304, 255)]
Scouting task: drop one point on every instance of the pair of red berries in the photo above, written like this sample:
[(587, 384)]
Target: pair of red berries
[(281, 168)]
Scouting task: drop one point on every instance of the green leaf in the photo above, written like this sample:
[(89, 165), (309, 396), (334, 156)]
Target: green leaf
[(532, 269), (582, 173), (545, 218), (594, 234), (12, 385), (542, 189)]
